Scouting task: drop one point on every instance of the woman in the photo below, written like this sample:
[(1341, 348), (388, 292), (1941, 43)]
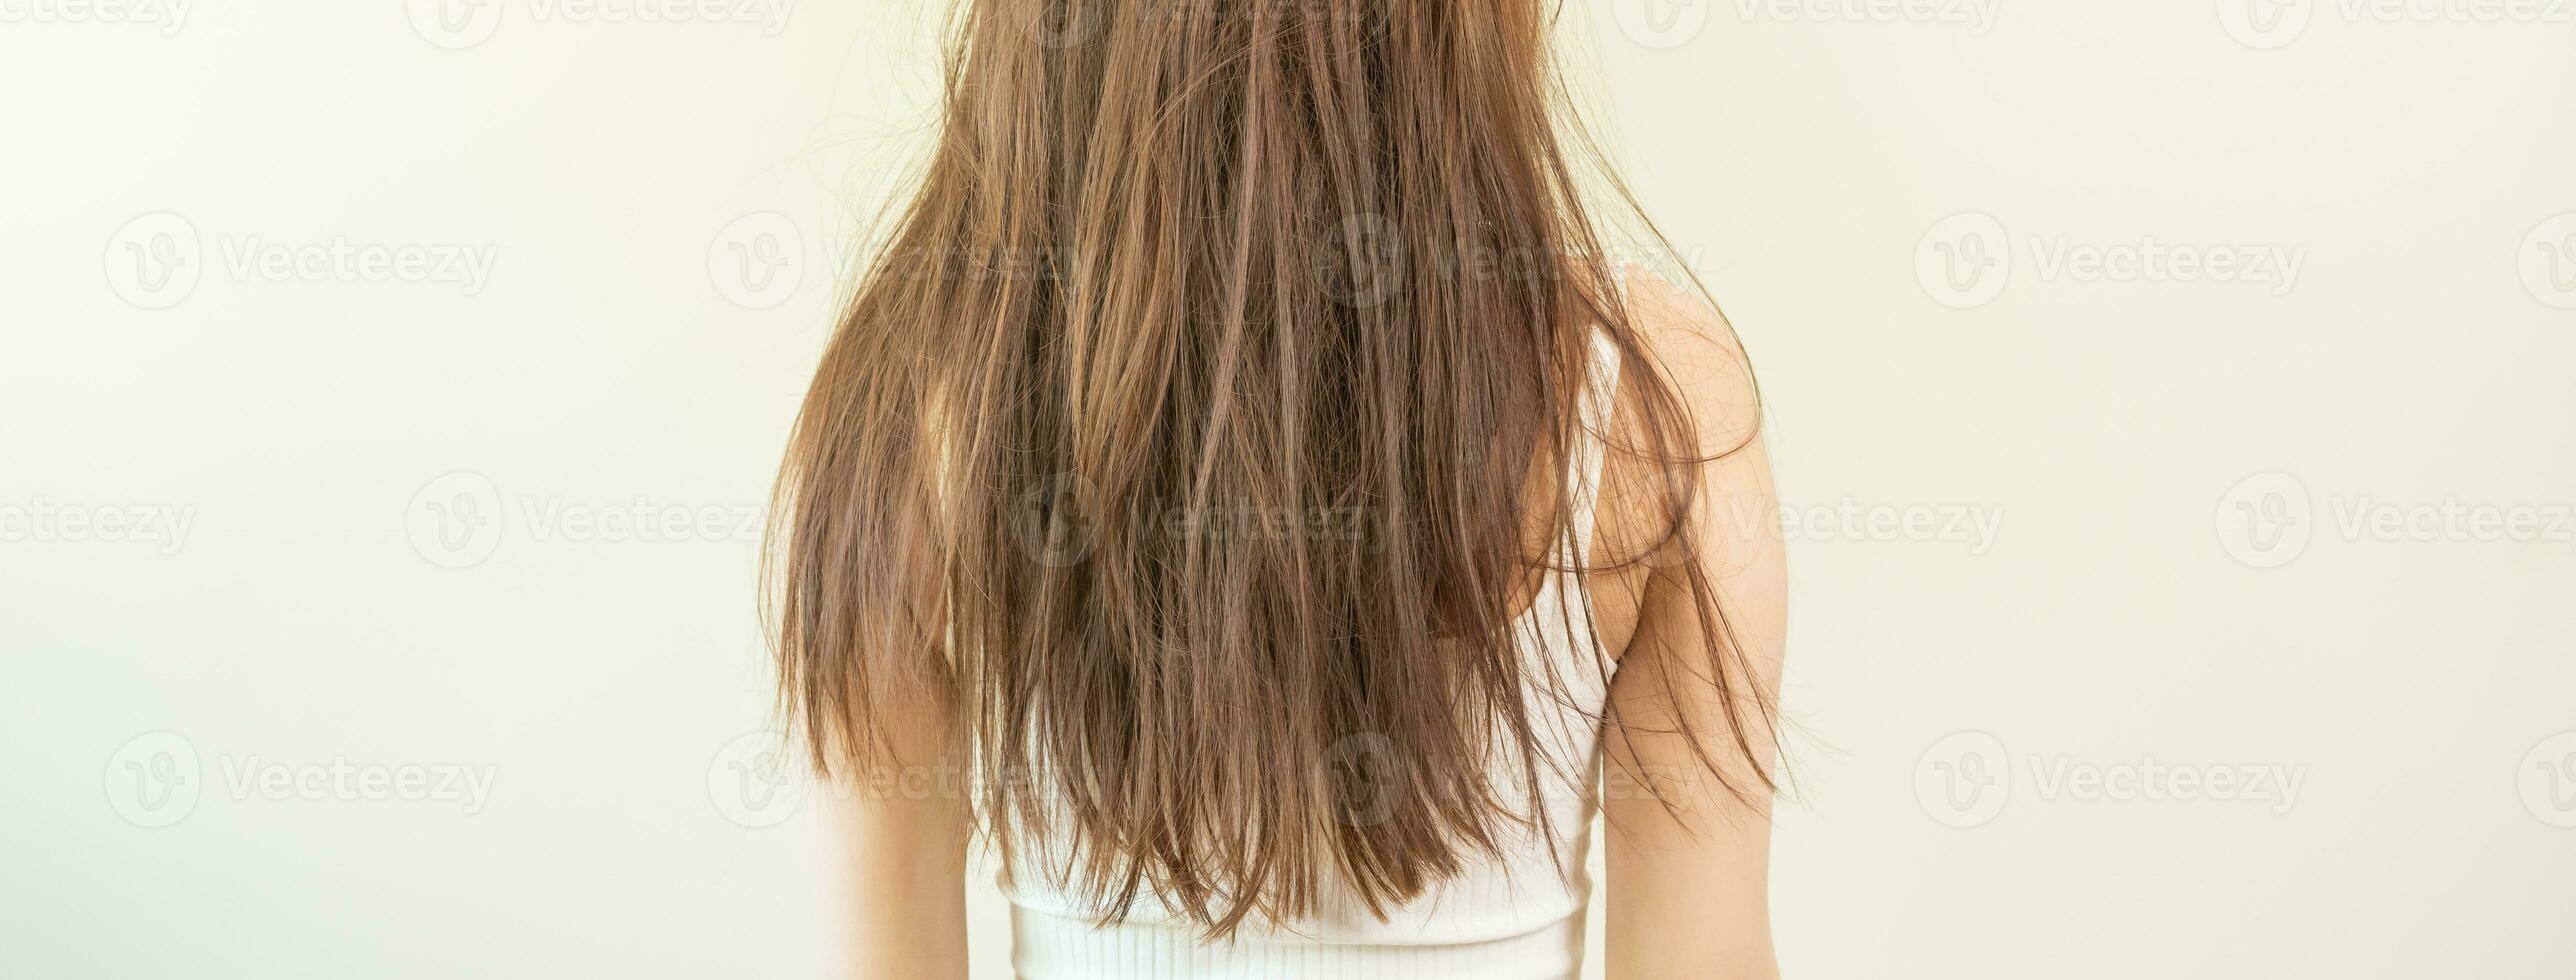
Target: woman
[(1247, 463)]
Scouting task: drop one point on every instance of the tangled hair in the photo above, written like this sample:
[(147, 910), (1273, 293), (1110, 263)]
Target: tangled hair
[(1175, 262)]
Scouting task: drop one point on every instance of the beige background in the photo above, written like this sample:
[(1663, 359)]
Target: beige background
[(2159, 612)]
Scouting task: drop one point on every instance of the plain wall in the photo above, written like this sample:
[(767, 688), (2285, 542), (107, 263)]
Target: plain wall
[(2154, 616)]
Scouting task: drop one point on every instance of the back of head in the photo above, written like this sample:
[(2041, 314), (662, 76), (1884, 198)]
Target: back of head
[(1183, 431)]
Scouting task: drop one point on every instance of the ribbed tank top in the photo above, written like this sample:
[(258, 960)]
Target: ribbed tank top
[(1519, 918)]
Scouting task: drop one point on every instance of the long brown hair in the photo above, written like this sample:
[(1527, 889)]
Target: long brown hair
[(1180, 439)]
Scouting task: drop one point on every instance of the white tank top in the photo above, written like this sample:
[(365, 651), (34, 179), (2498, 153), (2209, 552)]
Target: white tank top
[(1519, 918)]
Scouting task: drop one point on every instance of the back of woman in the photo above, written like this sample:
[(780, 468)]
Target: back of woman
[(1246, 461)]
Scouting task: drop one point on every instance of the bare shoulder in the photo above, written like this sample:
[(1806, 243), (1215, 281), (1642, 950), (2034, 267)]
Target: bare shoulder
[(1689, 380), (1689, 343)]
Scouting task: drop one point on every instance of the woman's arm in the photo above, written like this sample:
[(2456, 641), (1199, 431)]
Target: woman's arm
[(1688, 895), (905, 829)]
